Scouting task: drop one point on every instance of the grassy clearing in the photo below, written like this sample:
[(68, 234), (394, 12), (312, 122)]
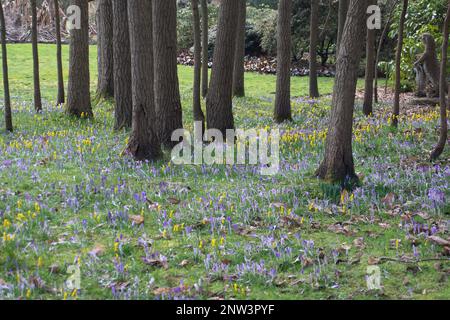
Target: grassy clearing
[(155, 230)]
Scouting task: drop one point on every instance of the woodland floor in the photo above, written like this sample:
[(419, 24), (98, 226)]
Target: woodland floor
[(145, 231)]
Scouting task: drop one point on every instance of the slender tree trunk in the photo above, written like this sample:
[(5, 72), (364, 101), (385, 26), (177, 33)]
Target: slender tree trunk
[(167, 91), (61, 95), (122, 67), (342, 16), (284, 50), (7, 98), (380, 44), (143, 143), (338, 160), (398, 57), (196, 103), (442, 86), (105, 49), (370, 69), (239, 57), (205, 67), (219, 105), (34, 41), (78, 93), (314, 30)]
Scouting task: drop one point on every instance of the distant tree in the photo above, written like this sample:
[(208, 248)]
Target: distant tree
[(61, 95), (398, 58), (78, 93), (34, 41), (105, 51), (167, 91), (219, 113), (338, 159), (370, 68), (7, 98), (439, 148), (314, 30), (342, 16), (143, 143), (205, 67), (196, 103), (122, 67), (239, 57), (282, 110)]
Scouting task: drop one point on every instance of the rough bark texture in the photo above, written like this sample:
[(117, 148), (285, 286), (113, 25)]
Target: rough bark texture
[(239, 57), (60, 99), (143, 143), (167, 92), (78, 94), (282, 110), (338, 161), (219, 103), (342, 16), (34, 42), (122, 67), (105, 49), (205, 67), (398, 57), (196, 97), (370, 69), (442, 87), (7, 98), (313, 34)]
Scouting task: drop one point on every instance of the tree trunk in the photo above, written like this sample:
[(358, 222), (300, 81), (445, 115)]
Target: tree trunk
[(283, 91), (338, 160), (78, 92), (143, 143), (442, 86), (167, 91), (205, 67), (342, 16), (314, 30), (196, 103), (7, 98), (219, 104), (122, 67), (398, 57), (370, 69), (105, 49), (61, 95), (34, 41), (239, 57)]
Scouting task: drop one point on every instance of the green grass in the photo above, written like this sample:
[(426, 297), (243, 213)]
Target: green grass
[(65, 191)]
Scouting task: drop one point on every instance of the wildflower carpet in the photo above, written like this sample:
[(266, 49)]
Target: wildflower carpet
[(80, 221)]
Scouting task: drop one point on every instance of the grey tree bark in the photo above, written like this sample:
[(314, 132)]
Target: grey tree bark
[(34, 42), (342, 16), (313, 37), (370, 69), (196, 97), (239, 57), (105, 51), (60, 99), (7, 98), (205, 67)]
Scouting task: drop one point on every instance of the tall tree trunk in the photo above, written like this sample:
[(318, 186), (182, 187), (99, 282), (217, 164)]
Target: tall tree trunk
[(338, 160), (167, 91), (143, 143), (342, 16), (78, 92), (60, 99), (282, 110), (196, 103), (7, 98), (122, 67), (34, 41), (219, 104), (380, 44), (313, 34), (442, 86), (370, 69), (398, 57), (205, 67), (105, 51), (239, 57)]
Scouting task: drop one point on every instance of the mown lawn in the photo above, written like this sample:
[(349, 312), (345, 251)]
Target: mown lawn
[(69, 200)]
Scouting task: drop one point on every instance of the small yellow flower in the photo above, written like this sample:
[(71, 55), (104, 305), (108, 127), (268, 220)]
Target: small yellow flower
[(39, 262), (6, 223), (28, 294), (213, 242)]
